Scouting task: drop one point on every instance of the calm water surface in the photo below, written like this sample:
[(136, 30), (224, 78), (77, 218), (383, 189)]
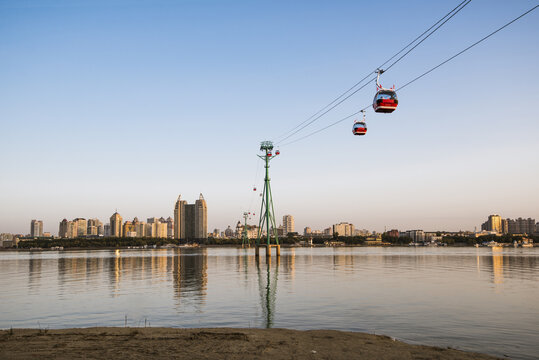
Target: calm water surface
[(482, 299)]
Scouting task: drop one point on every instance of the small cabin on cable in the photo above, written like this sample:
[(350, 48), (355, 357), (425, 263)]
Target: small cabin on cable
[(385, 101), (359, 128)]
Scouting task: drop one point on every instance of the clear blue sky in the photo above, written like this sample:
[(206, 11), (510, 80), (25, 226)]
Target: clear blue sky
[(126, 104)]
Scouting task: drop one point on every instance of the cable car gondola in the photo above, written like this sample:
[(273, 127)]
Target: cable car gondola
[(360, 127), (385, 100)]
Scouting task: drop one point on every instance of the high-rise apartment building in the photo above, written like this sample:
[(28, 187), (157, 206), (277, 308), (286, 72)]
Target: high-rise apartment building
[(116, 225), (156, 228), (140, 227), (201, 218), (288, 224), (190, 220), (62, 231), (106, 230), (415, 235), (72, 230), (95, 227), (36, 228), (82, 226), (494, 223), (170, 227), (128, 229), (521, 226), (505, 226), (179, 218)]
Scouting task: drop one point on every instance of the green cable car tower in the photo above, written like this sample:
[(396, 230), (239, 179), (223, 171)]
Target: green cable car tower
[(267, 214)]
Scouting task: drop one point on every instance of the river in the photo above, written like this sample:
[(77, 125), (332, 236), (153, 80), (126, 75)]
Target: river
[(476, 299)]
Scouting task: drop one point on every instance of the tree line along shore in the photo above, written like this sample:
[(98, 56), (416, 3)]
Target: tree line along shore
[(291, 240)]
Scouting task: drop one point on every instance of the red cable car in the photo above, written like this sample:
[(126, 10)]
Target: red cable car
[(254, 188), (385, 100), (277, 152), (269, 154), (360, 127)]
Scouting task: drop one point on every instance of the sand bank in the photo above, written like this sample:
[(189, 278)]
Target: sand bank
[(222, 343)]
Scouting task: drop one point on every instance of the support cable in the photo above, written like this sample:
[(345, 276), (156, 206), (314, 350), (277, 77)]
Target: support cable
[(322, 111), (418, 77), (468, 48)]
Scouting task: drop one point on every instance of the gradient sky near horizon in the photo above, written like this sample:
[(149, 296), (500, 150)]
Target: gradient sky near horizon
[(124, 105)]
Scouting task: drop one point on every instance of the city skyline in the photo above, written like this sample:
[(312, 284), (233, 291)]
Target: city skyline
[(128, 101), (115, 228)]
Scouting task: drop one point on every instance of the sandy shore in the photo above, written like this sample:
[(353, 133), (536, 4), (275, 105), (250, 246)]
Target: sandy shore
[(222, 343)]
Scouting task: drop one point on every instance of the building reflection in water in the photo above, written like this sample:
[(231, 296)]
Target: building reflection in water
[(79, 268), (34, 271), (497, 265), (185, 268), (267, 288), (190, 274), (289, 264), (341, 260)]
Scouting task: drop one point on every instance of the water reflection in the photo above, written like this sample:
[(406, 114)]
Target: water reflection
[(267, 288), (503, 264), (487, 294), (190, 275), (497, 265), (34, 272)]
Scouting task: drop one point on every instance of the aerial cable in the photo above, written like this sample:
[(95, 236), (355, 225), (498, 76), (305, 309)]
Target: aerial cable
[(468, 48), (418, 77), (420, 36), (324, 128), (328, 110), (425, 38), (388, 60), (321, 112)]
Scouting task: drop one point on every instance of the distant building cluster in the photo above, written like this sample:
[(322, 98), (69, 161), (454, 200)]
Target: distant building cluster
[(190, 222), (340, 229), (286, 228), (80, 227), (496, 224)]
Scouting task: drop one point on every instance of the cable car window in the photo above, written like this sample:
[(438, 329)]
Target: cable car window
[(386, 95)]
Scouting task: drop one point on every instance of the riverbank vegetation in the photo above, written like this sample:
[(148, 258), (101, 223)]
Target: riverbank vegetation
[(115, 242)]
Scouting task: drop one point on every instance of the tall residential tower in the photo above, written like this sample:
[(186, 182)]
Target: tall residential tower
[(190, 220), (36, 228), (288, 224), (116, 225)]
